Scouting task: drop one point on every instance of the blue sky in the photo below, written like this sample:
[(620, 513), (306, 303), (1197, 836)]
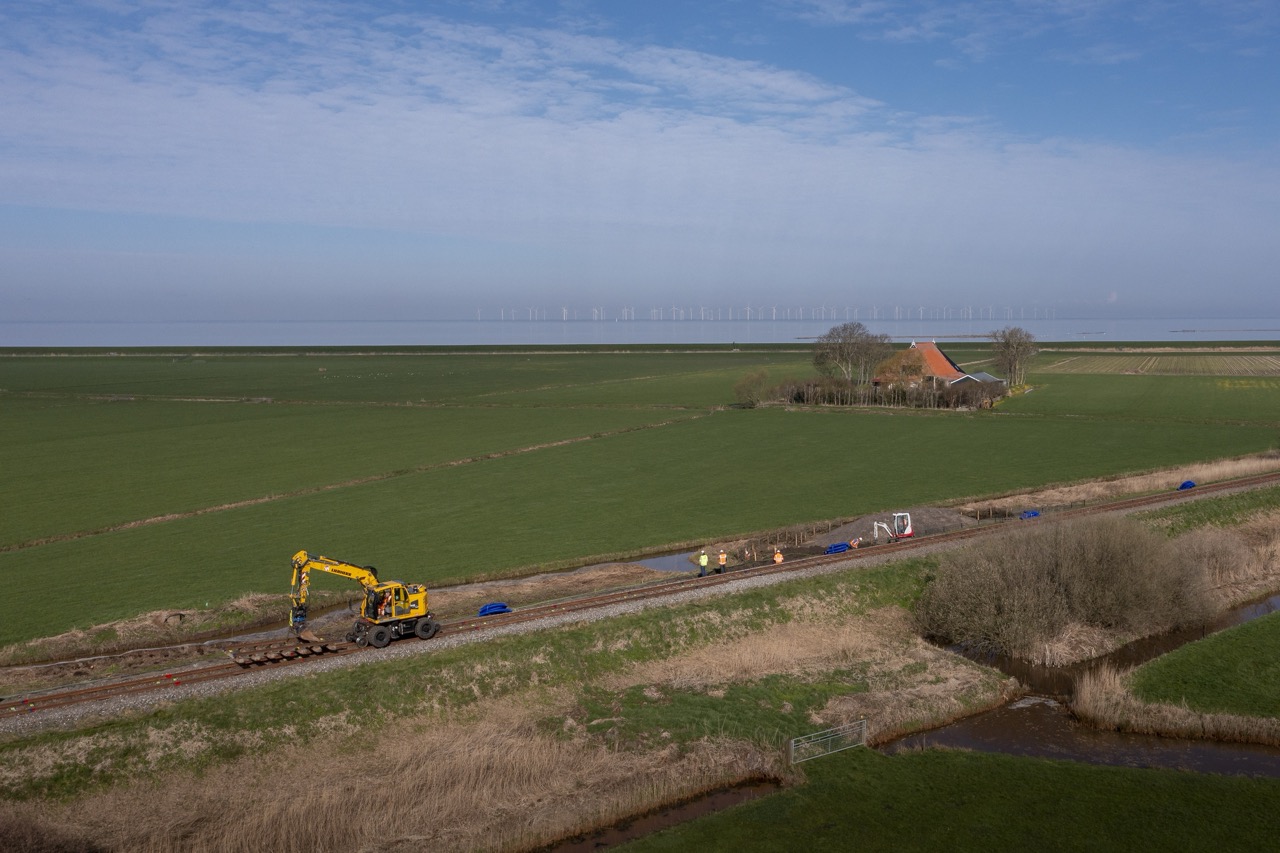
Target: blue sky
[(186, 160)]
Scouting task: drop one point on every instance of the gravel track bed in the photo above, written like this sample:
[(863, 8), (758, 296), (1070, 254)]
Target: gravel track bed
[(122, 706), (107, 709)]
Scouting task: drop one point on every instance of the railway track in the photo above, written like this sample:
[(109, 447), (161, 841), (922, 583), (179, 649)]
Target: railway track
[(255, 655)]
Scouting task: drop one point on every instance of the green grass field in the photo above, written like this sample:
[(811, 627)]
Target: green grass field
[(940, 800), (443, 466), (1233, 672)]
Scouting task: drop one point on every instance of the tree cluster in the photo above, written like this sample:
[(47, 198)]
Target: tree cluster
[(851, 352), (1014, 347), (848, 357), (1016, 593)]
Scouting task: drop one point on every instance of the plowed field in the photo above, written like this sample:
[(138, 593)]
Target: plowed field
[(1167, 364)]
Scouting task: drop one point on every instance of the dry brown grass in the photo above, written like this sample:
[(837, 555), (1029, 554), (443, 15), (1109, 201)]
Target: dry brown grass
[(496, 780), (1078, 642), (1151, 481), (1042, 592), (912, 683), (496, 777), (1103, 700), (1239, 565)]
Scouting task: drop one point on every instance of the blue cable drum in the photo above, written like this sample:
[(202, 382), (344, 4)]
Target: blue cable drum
[(1029, 513), (838, 548), (493, 608), (1186, 484)]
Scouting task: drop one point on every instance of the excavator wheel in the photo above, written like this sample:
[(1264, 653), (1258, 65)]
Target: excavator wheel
[(379, 636), (426, 628)]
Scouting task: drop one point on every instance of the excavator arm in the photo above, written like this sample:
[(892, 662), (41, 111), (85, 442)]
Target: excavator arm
[(304, 564)]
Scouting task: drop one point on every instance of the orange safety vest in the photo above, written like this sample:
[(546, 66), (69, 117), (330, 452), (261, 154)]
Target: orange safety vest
[(723, 558), (777, 556)]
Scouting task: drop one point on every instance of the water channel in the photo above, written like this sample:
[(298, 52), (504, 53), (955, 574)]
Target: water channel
[(1040, 724), (1037, 725)]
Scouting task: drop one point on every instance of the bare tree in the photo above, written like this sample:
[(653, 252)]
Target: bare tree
[(752, 388), (1014, 348), (852, 352)]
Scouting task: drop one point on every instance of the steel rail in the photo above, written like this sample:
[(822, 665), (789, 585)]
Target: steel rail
[(253, 655)]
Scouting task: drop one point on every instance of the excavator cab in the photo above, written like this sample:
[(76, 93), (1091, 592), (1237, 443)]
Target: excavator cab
[(901, 528), (390, 609), (902, 525)]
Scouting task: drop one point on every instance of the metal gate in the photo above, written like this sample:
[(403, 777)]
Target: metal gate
[(826, 742)]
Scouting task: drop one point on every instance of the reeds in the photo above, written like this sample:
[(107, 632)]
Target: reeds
[(1103, 700), (498, 780)]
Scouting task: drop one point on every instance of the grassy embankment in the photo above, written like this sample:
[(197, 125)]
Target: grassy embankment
[(151, 483), (1225, 686), (492, 745)]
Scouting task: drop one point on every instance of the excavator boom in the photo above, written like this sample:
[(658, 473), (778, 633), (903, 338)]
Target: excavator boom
[(390, 609)]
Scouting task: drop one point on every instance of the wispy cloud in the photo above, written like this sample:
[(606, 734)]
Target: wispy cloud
[(574, 156), (977, 30)]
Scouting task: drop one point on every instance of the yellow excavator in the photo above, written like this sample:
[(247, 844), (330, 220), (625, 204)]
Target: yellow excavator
[(390, 609)]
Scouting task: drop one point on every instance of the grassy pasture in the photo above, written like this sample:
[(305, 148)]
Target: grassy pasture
[(729, 473), (1236, 671), (86, 465), (447, 377), (341, 471), (941, 800), (1201, 399)]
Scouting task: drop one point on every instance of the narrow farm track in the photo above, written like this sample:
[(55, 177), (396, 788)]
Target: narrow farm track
[(345, 484), (246, 657)]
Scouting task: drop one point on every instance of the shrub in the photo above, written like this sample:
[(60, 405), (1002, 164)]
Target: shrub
[(750, 390), (1017, 593)]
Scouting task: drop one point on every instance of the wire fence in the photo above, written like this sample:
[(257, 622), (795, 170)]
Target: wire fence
[(822, 743)]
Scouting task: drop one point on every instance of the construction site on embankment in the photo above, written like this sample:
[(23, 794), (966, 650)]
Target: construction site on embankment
[(490, 745)]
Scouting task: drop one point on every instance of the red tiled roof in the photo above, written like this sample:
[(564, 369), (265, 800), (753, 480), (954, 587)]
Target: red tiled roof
[(936, 362)]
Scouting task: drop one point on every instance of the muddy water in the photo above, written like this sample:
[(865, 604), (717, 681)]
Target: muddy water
[(1060, 681), (1041, 725)]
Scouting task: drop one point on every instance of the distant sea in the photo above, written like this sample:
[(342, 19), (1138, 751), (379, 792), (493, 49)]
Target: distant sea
[(606, 332)]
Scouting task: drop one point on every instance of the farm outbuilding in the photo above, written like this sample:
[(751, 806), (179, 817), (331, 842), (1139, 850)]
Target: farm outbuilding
[(922, 363)]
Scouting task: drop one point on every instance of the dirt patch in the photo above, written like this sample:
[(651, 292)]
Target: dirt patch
[(925, 521)]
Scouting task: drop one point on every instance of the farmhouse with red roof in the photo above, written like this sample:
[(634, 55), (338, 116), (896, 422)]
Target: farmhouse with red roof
[(920, 364)]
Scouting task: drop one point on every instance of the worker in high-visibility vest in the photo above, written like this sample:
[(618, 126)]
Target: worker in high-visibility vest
[(724, 560), (777, 556), (702, 564)]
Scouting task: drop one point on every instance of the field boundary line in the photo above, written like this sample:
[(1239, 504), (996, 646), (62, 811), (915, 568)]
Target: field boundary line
[(345, 484)]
